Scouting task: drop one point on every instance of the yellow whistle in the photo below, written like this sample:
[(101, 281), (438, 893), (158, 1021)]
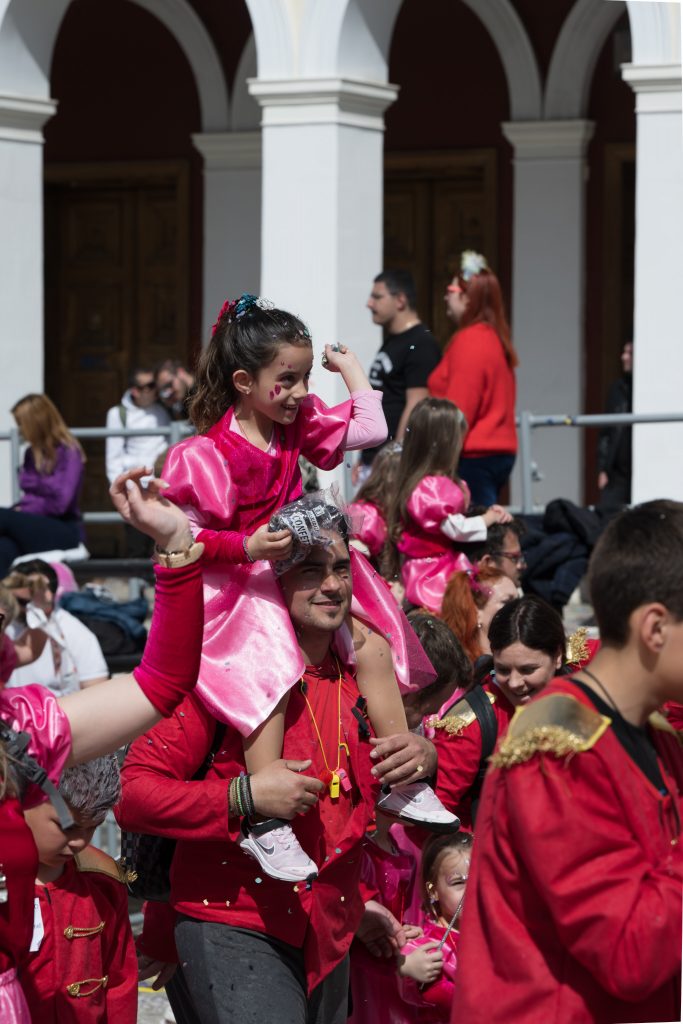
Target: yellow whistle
[(345, 746), (334, 786)]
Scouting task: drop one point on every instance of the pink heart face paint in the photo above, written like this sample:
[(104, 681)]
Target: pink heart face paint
[(277, 389), (271, 395)]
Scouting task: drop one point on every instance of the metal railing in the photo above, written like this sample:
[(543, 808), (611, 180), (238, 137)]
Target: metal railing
[(527, 422), (175, 432)]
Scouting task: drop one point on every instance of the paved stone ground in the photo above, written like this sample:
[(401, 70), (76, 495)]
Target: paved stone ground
[(153, 1007)]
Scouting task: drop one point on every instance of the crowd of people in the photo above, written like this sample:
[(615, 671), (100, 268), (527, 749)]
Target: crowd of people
[(368, 778)]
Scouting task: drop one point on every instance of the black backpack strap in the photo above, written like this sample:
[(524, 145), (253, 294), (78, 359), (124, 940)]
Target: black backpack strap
[(219, 733), (488, 723), (32, 773)]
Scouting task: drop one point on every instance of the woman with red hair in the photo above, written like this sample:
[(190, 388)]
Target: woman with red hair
[(477, 374)]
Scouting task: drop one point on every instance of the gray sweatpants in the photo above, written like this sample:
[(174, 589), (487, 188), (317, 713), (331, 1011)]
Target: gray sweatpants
[(237, 976)]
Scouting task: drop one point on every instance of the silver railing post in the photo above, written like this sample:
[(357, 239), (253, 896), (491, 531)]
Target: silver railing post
[(15, 459), (525, 461)]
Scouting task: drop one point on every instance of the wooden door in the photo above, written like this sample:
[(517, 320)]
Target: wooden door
[(436, 205), (116, 289)]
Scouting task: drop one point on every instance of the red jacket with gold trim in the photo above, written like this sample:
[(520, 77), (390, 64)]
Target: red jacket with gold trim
[(573, 908), (85, 970)]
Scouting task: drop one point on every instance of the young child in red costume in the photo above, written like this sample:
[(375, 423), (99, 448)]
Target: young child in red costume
[(574, 908), (82, 966), (428, 963)]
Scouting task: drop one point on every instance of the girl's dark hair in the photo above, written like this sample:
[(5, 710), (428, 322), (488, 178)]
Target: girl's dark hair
[(249, 342), (431, 447), (433, 851), (444, 651), (531, 621)]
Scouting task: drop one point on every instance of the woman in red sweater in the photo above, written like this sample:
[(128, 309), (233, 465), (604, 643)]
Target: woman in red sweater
[(477, 374)]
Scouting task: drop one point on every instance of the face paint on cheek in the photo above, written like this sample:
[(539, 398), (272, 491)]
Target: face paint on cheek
[(278, 389), (271, 395)]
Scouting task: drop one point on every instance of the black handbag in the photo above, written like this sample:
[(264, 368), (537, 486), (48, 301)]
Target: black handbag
[(146, 860)]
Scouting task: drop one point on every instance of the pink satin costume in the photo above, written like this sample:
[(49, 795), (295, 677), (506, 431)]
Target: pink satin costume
[(376, 996), (371, 530), (436, 517), (435, 1000), (228, 488), (31, 709)]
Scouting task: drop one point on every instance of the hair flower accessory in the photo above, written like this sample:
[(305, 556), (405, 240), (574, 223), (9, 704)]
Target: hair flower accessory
[(471, 264), (235, 309)]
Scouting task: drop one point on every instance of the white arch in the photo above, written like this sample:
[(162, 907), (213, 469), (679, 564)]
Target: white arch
[(505, 27), (351, 39), (655, 32), (28, 30), (245, 111), (575, 55), (196, 43)]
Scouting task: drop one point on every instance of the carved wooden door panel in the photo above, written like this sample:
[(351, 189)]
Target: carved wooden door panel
[(116, 292), (436, 205)]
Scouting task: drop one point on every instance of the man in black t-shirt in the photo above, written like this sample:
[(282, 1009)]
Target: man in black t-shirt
[(407, 357)]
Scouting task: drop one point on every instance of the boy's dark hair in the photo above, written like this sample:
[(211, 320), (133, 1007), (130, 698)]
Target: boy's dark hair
[(399, 282), (637, 560), (495, 536), (248, 342), (36, 566), (134, 374), (444, 650)]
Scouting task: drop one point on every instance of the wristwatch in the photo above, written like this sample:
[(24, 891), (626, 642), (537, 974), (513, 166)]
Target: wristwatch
[(177, 559)]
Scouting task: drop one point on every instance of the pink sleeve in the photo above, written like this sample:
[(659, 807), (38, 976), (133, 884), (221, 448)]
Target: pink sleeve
[(200, 483), (368, 427), (321, 431), (433, 500), (35, 710), (368, 525)]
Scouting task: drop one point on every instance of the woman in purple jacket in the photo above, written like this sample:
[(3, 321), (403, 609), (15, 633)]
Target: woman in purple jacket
[(47, 516)]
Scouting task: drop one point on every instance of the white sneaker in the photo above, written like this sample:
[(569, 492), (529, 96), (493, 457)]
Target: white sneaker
[(418, 803), (273, 844)]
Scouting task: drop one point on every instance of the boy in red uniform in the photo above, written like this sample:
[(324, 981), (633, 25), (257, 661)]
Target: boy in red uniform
[(82, 966), (573, 908)]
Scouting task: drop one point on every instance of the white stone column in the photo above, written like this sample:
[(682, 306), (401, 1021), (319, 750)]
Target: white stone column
[(21, 257), (548, 291), (232, 218), (323, 207), (658, 350)]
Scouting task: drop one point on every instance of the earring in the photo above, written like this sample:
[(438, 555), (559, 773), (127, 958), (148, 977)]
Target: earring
[(431, 895)]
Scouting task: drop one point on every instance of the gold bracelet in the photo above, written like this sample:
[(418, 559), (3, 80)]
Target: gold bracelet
[(177, 559)]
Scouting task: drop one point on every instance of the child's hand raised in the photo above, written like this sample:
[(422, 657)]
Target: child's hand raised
[(496, 514), (340, 359), (271, 545)]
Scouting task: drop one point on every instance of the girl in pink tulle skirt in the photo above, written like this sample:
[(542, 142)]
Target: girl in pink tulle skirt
[(428, 510), (255, 418)]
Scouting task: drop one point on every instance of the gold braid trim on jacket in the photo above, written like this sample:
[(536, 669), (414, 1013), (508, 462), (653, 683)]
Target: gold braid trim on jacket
[(458, 717), (557, 724)]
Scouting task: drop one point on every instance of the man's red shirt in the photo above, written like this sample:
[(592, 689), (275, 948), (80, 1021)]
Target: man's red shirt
[(211, 878), (573, 907)]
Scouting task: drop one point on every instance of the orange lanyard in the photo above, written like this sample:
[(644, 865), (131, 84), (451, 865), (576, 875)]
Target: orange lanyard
[(337, 772)]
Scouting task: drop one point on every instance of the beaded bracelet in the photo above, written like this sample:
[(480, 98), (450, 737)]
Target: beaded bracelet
[(245, 794), (246, 549)]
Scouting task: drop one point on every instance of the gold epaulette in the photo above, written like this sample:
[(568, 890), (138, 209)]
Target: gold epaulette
[(557, 724), (458, 717), (92, 859), (578, 651), (658, 721)]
